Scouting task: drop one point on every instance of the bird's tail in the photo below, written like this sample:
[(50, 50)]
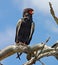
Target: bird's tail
[(55, 46)]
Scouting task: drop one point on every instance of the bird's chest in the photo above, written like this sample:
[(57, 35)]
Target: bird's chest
[(26, 27)]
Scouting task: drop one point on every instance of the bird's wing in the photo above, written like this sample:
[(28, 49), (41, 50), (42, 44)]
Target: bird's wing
[(32, 30), (17, 29)]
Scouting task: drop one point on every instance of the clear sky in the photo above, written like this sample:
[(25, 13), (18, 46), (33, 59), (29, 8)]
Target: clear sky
[(45, 26)]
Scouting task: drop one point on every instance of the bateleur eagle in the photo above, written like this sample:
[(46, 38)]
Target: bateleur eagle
[(25, 27)]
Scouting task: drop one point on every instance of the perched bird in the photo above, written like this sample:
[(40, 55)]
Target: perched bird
[(55, 46), (25, 27)]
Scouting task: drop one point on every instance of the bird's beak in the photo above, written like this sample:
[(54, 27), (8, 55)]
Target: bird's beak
[(32, 12)]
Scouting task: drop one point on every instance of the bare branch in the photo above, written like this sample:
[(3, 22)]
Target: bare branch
[(52, 13), (47, 52), (10, 50), (30, 51)]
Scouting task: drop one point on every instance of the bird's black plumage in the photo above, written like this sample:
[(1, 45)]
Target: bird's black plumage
[(25, 27)]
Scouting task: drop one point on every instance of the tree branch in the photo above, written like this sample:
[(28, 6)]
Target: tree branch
[(10, 50), (52, 13), (31, 51), (46, 52)]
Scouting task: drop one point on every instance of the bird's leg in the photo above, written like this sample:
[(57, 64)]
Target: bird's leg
[(18, 55)]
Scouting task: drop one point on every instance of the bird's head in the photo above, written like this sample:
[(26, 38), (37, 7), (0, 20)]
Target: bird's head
[(28, 12)]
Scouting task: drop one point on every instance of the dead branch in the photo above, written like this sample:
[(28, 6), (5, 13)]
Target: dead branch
[(52, 13), (31, 51), (46, 52)]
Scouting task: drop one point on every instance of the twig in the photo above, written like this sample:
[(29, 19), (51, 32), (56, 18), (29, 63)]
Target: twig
[(41, 62), (44, 45)]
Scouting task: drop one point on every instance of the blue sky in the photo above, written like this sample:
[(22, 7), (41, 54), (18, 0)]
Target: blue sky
[(45, 26)]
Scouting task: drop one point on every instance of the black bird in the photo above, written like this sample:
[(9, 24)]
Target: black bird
[(25, 27)]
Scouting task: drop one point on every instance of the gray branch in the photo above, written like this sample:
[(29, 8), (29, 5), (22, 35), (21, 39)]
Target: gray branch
[(31, 51)]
